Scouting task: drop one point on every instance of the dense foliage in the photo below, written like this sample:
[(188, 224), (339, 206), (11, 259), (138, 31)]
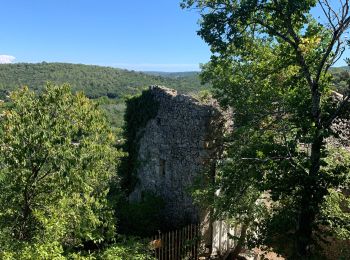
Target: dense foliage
[(135, 123), (142, 218), (110, 86), (57, 159), (271, 63), (94, 81), (125, 248)]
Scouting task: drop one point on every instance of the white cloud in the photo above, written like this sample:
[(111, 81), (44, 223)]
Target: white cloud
[(6, 59)]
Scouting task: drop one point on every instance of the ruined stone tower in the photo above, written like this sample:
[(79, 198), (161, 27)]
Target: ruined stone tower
[(181, 141)]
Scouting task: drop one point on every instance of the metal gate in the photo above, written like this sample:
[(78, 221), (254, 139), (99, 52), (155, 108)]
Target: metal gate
[(182, 243)]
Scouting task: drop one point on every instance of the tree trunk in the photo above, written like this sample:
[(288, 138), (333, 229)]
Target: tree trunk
[(23, 226), (310, 197), (304, 232), (310, 201), (238, 248)]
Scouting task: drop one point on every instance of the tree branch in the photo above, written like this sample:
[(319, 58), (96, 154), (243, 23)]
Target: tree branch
[(338, 30), (275, 32)]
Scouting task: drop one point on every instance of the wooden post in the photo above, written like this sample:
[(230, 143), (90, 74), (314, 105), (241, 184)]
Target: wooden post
[(169, 245), (172, 245), (192, 241), (220, 235), (182, 243), (185, 238), (197, 240), (191, 235), (177, 245), (163, 247), (155, 249), (188, 240), (160, 249)]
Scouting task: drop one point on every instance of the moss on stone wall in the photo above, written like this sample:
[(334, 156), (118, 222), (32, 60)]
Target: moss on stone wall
[(139, 110)]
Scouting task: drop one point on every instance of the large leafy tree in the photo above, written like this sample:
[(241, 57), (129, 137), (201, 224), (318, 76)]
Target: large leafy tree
[(271, 62), (57, 160)]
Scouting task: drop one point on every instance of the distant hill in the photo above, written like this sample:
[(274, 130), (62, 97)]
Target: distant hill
[(95, 81), (109, 86), (339, 69), (184, 74), (341, 77)]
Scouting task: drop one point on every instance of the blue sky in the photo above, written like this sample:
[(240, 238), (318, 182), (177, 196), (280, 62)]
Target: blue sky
[(133, 34)]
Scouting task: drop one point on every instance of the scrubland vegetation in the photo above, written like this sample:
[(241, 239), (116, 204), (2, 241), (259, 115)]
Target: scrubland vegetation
[(285, 176)]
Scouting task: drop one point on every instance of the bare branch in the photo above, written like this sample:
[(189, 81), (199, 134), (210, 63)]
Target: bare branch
[(338, 53), (294, 41), (267, 159), (345, 8), (330, 14), (299, 54), (338, 30), (275, 32)]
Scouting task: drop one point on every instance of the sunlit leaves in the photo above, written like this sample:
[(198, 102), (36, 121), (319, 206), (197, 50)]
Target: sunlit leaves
[(58, 158), (270, 65)]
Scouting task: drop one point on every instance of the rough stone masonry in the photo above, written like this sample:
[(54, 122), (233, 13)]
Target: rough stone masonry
[(182, 141)]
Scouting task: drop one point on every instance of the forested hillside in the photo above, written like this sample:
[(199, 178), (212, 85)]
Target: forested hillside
[(340, 78), (193, 75), (98, 81), (95, 81), (108, 86)]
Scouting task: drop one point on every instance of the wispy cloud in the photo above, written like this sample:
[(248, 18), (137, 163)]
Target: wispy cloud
[(6, 59)]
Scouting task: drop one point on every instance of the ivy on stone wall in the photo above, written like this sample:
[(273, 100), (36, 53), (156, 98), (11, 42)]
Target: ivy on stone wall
[(139, 110)]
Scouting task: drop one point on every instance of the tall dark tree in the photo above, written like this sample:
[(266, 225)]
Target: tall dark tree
[(271, 62)]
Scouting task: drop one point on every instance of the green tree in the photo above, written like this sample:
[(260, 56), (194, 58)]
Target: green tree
[(271, 62), (57, 160)]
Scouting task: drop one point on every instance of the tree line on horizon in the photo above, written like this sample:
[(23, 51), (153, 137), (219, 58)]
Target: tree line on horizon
[(94, 81), (109, 87)]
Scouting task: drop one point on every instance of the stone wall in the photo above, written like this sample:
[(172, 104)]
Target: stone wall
[(341, 126), (177, 145)]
